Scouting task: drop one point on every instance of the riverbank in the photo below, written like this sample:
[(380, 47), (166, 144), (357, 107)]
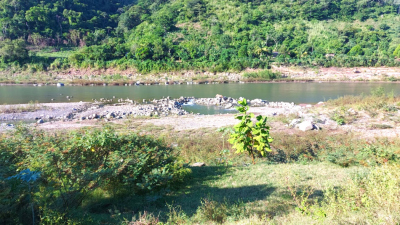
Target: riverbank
[(315, 147), (370, 117), (94, 77)]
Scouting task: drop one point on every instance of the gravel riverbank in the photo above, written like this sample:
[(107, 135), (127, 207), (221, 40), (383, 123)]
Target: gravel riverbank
[(169, 112)]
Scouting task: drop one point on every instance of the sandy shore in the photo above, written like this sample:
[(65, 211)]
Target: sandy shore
[(82, 111), (42, 110)]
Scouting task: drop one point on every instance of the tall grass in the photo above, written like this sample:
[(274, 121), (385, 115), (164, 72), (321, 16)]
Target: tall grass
[(262, 75)]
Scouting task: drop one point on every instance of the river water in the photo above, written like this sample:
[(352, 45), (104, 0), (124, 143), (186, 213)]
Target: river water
[(288, 92)]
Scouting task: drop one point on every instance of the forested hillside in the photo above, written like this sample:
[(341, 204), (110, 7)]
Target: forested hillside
[(160, 35)]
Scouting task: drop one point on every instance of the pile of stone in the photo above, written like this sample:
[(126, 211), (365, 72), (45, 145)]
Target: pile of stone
[(162, 107), (307, 122), (166, 106), (229, 102), (219, 100)]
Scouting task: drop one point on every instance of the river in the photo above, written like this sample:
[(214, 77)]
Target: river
[(288, 92)]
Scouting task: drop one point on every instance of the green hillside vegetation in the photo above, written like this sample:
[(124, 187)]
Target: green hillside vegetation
[(153, 36)]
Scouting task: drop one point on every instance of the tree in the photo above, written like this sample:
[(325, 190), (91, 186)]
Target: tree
[(249, 137), (396, 52), (14, 50), (356, 50)]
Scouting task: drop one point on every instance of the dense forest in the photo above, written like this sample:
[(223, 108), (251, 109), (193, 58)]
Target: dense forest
[(161, 35)]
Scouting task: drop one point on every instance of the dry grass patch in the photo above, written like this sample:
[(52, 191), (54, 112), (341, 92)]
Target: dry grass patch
[(30, 107)]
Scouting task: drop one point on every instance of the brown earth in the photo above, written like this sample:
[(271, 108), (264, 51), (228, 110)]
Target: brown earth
[(341, 74)]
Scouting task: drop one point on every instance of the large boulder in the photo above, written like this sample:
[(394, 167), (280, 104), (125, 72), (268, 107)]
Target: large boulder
[(305, 126), (198, 164)]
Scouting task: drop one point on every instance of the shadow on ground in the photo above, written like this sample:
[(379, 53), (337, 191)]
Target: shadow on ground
[(188, 198)]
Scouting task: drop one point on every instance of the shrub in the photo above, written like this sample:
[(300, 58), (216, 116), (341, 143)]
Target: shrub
[(14, 50), (76, 164), (249, 137), (368, 198), (356, 50), (396, 52), (264, 74), (213, 211)]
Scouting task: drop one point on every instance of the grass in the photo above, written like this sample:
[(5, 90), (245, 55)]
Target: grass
[(56, 53), (306, 186), (235, 194), (376, 107), (262, 75), (316, 177), (30, 107)]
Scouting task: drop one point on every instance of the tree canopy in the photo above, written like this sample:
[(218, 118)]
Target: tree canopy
[(202, 34)]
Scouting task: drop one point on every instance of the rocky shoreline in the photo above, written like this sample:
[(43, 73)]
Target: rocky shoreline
[(170, 112), (122, 108), (165, 111)]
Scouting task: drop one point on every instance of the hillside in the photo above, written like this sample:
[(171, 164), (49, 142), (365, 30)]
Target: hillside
[(217, 36)]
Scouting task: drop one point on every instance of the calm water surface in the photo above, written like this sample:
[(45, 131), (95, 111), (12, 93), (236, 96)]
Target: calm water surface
[(289, 92)]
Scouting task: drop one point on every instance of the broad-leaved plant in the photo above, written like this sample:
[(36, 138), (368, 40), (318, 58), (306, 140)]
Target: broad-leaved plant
[(248, 135)]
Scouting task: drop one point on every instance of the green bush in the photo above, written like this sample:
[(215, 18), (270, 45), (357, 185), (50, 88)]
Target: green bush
[(14, 50), (74, 165), (264, 75)]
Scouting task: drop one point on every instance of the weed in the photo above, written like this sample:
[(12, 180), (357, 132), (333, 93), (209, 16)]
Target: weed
[(30, 107), (262, 75), (144, 218), (213, 211)]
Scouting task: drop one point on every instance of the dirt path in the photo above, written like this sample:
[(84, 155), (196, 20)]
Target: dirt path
[(341, 74)]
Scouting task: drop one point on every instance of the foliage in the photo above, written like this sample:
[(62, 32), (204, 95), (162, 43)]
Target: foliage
[(72, 167), (213, 211), (264, 74), (14, 50), (249, 137), (373, 195), (396, 52), (181, 35)]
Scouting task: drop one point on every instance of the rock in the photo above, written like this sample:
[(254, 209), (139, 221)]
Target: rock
[(69, 116), (39, 121), (294, 122), (60, 85), (351, 111), (110, 115), (229, 105), (306, 125), (198, 164)]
